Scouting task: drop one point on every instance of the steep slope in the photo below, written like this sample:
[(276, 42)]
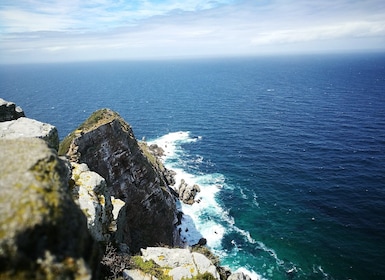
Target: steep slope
[(106, 143)]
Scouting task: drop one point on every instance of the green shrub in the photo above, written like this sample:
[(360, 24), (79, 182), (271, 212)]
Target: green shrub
[(149, 267)]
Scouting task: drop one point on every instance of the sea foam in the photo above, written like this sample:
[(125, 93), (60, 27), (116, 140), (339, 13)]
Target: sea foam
[(205, 218)]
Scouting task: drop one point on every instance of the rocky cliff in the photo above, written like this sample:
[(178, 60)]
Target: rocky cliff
[(57, 216), (106, 143)]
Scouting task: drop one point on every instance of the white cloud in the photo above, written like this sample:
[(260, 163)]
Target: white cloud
[(130, 29), (325, 32)]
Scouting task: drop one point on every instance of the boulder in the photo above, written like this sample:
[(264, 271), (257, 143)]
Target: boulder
[(156, 150), (90, 192), (187, 192), (9, 111), (43, 233), (29, 128), (180, 263), (106, 143), (239, 276)]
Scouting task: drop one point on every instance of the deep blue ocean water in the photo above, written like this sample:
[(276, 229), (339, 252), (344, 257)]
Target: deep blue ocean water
[(291, 150)]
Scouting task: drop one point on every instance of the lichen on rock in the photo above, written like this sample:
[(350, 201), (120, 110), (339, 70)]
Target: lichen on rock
[(90, 192), (42, 231)]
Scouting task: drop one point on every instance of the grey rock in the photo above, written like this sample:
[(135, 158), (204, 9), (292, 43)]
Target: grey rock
[(42, 231), (9, 111), (90, 192), (239, 276), (180, 263), (187, 192), (29, 128)]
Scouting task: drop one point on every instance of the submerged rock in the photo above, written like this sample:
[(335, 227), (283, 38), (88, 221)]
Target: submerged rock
[(9, 111), (43, 234), (106, 143), (29, 128)]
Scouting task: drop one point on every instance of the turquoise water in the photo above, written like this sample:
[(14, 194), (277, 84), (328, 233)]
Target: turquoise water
[(289, 151)]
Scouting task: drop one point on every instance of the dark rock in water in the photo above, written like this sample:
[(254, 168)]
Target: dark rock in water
[(43, 233), (106, 143), (9, 111), (202, 242), (158, 151)]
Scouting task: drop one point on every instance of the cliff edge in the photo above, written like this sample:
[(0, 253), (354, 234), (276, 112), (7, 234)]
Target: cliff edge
[(106, 143)]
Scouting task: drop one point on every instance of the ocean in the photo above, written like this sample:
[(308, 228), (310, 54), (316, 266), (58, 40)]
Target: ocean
[(289, 151)]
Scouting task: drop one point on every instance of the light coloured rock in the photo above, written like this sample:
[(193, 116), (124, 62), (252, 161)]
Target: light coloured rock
[(180, 263), (136, 274), (187, 192), (9, 111), (203, 264), (90, 192), (29, 128), (43, 233), (117, 205), (239, 276)]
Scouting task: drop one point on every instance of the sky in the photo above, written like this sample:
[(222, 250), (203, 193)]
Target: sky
[(76, 30)]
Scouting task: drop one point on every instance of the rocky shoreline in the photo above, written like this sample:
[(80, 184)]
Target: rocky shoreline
[(98, 206)]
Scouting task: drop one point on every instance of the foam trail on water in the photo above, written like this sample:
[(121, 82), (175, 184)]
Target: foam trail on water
[(207, 218)]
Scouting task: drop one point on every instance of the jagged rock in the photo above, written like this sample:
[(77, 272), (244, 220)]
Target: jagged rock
[(9, 111), (239, 276), (153, 153), (90, 192), (29, 128), (158, 151), (201, 242), (43, 233), (187, 192), (106, 143), (180, 263)]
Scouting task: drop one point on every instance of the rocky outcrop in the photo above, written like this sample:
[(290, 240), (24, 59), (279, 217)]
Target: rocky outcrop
[(239, 276), (90, 192), (43, 234), (106, 143), (29, 128), (9, 111), (180, 263), (187, 192)]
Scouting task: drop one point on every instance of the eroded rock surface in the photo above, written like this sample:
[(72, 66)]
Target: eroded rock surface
[(43, 233), (90, 192), (180, 263), (29, 128), (187, 192)]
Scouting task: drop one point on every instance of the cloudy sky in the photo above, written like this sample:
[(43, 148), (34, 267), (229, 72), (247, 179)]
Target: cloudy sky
[(58, 30)]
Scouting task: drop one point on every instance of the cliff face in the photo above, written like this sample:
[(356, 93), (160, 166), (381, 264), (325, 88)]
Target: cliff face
[(106, 143)]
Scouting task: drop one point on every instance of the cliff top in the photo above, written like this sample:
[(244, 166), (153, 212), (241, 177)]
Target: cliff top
[(98, 118)]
